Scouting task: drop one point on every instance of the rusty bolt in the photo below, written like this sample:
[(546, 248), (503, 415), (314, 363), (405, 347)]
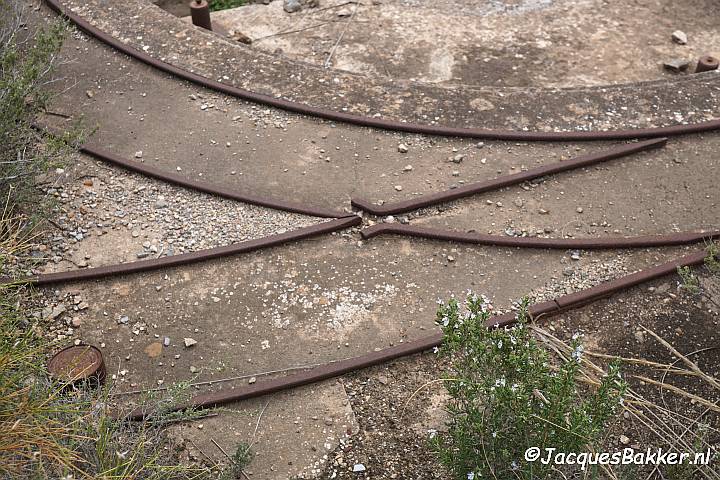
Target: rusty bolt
[(706, 63)]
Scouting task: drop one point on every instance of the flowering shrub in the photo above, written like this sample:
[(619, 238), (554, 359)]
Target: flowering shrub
[(506, 396)]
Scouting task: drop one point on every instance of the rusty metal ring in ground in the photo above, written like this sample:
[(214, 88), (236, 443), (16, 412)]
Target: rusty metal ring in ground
[(506, 180), (341, 367), (187, 258), (645, 241), (377, 122)]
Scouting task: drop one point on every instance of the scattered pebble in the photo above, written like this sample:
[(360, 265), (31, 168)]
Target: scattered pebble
[(292, 6), (679, 37), (677, 65)]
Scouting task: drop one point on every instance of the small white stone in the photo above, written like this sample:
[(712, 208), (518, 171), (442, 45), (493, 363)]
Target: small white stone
[(679, 37)]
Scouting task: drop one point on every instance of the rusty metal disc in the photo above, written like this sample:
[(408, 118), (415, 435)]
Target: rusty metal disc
[(77, 364)]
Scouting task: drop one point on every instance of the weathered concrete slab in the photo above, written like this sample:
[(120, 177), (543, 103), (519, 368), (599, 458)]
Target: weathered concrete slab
[(310, 302), (658, 192), (310, 161), (150, 29), (290, 433), (528, 43)]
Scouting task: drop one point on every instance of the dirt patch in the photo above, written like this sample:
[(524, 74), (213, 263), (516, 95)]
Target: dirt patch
[(397, 407)]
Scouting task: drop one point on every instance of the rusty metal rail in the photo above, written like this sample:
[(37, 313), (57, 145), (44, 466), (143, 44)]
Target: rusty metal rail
[(506, 180), (514, 135), (334, 369), (188, 258), (645, 241), (341, 221), (208, 188)]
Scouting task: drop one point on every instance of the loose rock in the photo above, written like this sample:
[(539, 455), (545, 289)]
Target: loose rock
[(292, 6), (677, 65), (679, 37)]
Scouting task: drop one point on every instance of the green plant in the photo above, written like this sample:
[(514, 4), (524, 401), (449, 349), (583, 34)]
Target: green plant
[(506, 396), (691, 283), (27, 61), (52, 432), (216, 5), (238, 462)]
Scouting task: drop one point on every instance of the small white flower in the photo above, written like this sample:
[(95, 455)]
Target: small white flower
[(436, 349), (471, 476), (577, 353)]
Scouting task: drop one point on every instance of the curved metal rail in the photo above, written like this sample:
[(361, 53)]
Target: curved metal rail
[(188, 258), (341, 367), (645, 241), (506, 180), (377, 122)]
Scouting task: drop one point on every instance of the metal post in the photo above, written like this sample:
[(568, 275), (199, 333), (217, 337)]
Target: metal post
[(200, 13)]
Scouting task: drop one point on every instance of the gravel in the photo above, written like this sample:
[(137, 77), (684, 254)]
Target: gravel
[(579, 277), (148, 218)]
